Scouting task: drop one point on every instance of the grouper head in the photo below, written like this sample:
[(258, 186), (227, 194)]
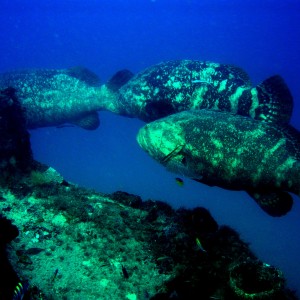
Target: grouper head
[(164, 141)]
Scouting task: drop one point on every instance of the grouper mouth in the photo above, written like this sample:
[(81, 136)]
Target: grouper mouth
[(149, 141), (161, 144)]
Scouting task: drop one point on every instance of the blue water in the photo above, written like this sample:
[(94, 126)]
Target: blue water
[(261, 36)]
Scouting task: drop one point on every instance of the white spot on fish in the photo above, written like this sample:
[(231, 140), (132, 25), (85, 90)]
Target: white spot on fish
[(201, 81)]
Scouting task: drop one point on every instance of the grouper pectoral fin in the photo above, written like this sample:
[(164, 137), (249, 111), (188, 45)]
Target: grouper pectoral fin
[(89, 121), (276, 204), (240, 74), (275, 101)]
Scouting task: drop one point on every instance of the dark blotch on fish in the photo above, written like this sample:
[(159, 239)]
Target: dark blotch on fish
[(34, 251)]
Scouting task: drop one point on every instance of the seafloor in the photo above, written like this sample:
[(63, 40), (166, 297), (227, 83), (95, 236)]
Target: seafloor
[(61, 241), (74, 243)]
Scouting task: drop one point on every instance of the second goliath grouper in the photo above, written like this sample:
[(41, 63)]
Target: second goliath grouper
[(229, 151), (174, 86), (54, 97)]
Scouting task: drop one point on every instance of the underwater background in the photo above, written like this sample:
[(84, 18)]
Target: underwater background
[(262, 37)]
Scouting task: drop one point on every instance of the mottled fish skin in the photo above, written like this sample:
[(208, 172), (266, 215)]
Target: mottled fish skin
[(54, 97), (174, 86), (225, 150)]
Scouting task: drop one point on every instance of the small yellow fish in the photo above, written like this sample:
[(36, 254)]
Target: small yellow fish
[(179, 181)]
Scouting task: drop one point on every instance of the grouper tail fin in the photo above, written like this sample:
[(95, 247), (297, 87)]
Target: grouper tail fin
[(108, 94), (275, 101), (119, 79)]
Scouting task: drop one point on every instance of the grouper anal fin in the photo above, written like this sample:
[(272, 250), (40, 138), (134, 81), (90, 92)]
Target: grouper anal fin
[(276, 204), (89, 121)]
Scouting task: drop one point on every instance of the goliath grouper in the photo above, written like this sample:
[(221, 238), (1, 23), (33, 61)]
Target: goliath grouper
[(229, 151), (174, 86), (55, 97)]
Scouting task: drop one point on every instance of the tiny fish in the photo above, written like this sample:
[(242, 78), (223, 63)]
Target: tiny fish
[(20, 290), (125, 273), (179, 181), (54, 275), (199, 245)]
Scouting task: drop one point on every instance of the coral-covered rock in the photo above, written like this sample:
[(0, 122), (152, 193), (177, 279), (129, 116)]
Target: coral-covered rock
[(15, 150), (256, 280)]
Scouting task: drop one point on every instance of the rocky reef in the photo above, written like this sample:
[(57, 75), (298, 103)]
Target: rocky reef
[(15, 151), (68, 242)]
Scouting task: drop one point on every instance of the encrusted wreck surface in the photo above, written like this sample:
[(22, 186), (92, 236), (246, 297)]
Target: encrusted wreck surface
[(74, 243)]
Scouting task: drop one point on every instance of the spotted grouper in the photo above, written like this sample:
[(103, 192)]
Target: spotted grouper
[(175, 86), (229, 151), (54, 97)]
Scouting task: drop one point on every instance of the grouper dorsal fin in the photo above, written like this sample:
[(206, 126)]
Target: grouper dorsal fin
[(239, 74), (275, 101), (119, 79), (89, 121), (274, 203), (85, 75)]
